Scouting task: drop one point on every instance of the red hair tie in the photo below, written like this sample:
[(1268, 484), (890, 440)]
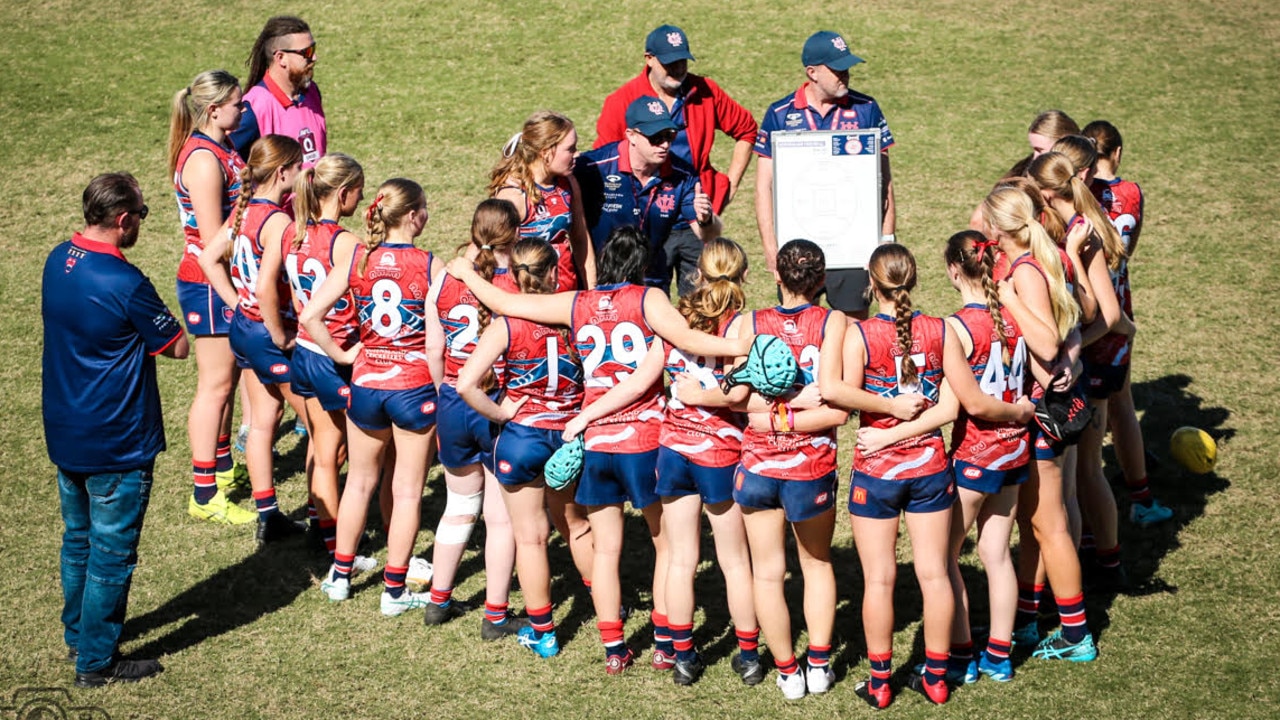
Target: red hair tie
[(368, 214), (981, 246)]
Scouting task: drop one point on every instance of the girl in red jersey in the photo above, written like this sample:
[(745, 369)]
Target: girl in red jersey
[(1124, 204), (308, 250), (206, 180), (535, 174), (899, 467), (1037, 296), (542, 378), (466, 441), (787, 474), (699, 447), (985, 364), (614, 328), (258, 222), (393, 392)]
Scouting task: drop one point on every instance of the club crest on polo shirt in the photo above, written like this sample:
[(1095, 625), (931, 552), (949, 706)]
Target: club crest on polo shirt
[(793, 119), (666, 203), (655, 107), (674, 39), (838, 42), (612, 182)]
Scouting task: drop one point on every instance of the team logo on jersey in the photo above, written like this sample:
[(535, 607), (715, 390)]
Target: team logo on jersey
[(504, 467), (793, 119), (71, 262), (387, 260), (605, 304), (838, 43), (193, 318), (655, 107), (428, 407), (674, 39), (859, 495), (973, 473), (789, 327), (612, 182), (665, 203), (279, 369)]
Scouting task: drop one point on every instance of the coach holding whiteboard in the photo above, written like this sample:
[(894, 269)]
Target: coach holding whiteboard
[(103, 326), (823, 102)]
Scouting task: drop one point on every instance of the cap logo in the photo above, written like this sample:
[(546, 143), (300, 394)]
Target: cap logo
[(674, 39), (655, 107), (838, 42)]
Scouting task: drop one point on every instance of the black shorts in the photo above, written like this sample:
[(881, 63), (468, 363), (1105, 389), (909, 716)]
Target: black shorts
[(845, 289)]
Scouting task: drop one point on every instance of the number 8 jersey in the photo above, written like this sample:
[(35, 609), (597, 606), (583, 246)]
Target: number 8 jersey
[(391, 297)]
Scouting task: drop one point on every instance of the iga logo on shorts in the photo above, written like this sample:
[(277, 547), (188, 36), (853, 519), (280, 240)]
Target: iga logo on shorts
[(193, 318), (428, 407), (973, 473), (279, 369), (504, 467), (821, 499), (344, 391)]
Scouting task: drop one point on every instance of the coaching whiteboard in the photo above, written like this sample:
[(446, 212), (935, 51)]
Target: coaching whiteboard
[(826, 188)]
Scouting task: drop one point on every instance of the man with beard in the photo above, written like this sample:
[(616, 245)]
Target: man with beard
[(103, 326), (281, 98), (699, 108)]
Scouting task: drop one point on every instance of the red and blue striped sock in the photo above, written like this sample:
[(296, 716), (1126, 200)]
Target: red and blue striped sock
[(881, 664), (819, 656), (611, 636), (393, 579), (682, 641), (541, 621), (1028, 603), (787, 667), (442, 597), (1139, 491), (661, 634), (496, 614), (329, 534), (935, 666), (266, 502), (1071, 613), (749, 644), (342, 566), (222, 455), (206, 483), (998, 650)]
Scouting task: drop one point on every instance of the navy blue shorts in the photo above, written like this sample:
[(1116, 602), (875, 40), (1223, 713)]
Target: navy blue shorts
[(679, 476), (1101, 381), (316, 375), (985, 480), (1046, 448), (521, 452), (410, 409), (252, 346), (203, 309), (615, 478), (800, 500), (872, 497), (467, 437)]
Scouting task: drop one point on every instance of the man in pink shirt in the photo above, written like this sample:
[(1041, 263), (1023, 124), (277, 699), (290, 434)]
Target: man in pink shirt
[(281, 98)]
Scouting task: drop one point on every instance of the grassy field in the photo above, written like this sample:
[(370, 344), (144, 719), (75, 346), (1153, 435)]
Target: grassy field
[(431, 91)]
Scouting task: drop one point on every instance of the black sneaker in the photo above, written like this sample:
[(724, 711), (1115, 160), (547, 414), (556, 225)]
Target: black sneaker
[(124, 671), (751, 672), (435, 614), (277, 526), (687, 673), (513, 625)]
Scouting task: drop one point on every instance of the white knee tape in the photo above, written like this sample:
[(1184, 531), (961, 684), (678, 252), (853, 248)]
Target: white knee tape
[(457, 504), (447, 534)]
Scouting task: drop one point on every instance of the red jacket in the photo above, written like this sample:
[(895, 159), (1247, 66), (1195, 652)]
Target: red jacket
[(707, 108)]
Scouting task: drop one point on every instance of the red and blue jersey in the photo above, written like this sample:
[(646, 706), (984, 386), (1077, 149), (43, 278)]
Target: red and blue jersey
[(1123, 202), (989, 445), (710, 437), (915, 456), (793, 113), (612, 338), (306, 267), (270, 110), (104, 324), (229, 161), (550, 218), (459, 313), (612, 197), (246, 260), (792, 455), (541, 366), (391, 299)]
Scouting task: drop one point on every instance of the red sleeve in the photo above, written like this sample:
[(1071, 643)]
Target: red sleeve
[(731, 118), (611, 127)]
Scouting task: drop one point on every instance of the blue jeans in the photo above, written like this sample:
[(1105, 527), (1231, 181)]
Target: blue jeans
[(103, 517)]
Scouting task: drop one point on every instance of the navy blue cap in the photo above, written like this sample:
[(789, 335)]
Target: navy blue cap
[(649, 116), (828, 48), (668, 43)]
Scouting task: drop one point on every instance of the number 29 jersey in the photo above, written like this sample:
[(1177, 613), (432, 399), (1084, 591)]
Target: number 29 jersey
[(391, 298), (993, 446), (612, 338)]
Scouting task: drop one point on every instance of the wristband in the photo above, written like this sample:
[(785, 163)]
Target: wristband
[(890, 238)]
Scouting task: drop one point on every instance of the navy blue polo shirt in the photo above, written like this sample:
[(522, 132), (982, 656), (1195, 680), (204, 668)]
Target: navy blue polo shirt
[(613, 197), (103, 326), (855, 111)]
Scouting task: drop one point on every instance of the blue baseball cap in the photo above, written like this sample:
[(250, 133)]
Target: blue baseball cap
[(668, 43), (647, 115), (828, 48)]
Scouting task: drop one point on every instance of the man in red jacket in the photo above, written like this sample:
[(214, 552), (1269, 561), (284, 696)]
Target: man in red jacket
[(699, 108)]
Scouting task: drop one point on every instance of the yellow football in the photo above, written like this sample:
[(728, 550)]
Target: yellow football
[(1194, 449)]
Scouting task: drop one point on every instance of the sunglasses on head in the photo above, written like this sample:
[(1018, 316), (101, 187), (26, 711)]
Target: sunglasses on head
[(308, 52)]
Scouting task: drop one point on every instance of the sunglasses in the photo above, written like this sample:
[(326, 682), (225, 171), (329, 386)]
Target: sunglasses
[(141, 212), (666, 136), (308, 52)]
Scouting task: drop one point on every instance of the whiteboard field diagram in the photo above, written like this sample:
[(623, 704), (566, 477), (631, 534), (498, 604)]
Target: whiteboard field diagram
[(827, 189)]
